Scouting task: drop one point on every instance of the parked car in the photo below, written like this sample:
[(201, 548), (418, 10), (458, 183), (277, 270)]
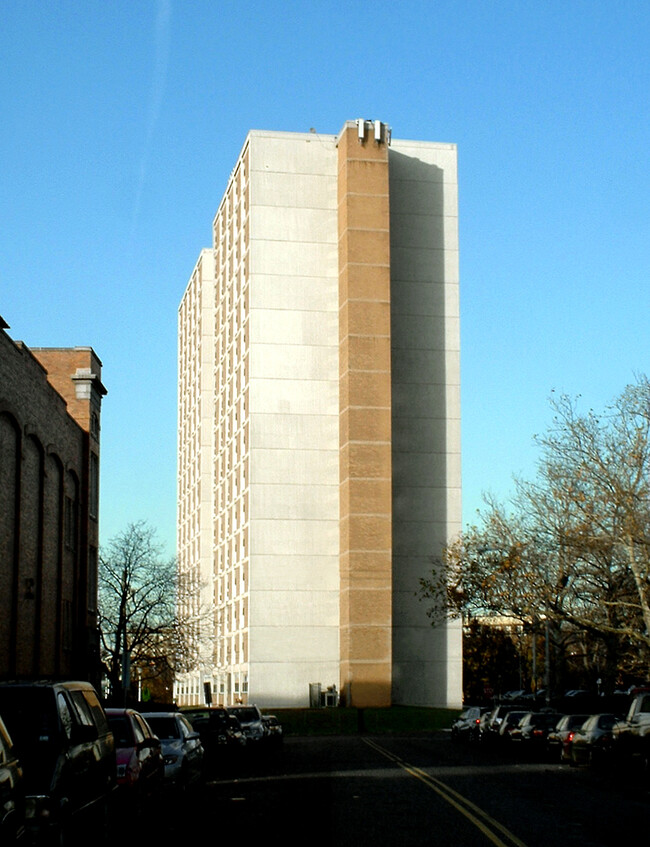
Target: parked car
[(592, 742), (479, 732), (509, 723), (221, 734), (631, 735), (140, 765), (67, 753), (251, 721), (534, 727), (12, 791), (274, 731), (489, 728), (465, 727), (514, 695), (181, 746), (558, 740)]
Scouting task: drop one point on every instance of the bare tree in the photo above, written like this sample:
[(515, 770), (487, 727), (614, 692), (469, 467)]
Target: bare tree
[(137, 609), (573, 548)]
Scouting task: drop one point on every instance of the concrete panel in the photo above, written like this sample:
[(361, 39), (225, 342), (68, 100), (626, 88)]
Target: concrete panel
[(424, 469), (295, 466), (424, 298), (289, 432), (298, 502), (293, 258), (425, 505), (296, 573), (289, 224), (434, 367), (293, 643), (422, 229), (299, 537), (294, 397), (422, 539), (279, 361), (285, 153), (308, 294), (432, 231), (426, 435), (421, 400), (272, 326), (425, 332), (302, 191), (295, 609), (414, 197), (425, 265)]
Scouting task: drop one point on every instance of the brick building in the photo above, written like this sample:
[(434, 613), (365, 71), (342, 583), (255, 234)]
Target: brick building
[(50, 401)]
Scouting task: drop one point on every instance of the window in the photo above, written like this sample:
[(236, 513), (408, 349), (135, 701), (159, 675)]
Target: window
[(70, 528), (64, 714), (93, 505)]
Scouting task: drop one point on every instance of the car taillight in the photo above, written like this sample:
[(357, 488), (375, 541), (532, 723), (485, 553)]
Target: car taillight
[(538, 732), (569, 737), (478, 720)]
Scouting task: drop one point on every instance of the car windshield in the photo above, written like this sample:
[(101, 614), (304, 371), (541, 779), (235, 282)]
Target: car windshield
[(164, 727), (29, 715), (32, 722), (246, 714)]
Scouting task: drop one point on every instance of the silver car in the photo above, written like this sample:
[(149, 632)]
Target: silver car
[(251, 721), (181, 747)]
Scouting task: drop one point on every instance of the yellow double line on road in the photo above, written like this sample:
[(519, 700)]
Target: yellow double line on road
[(493, 830)]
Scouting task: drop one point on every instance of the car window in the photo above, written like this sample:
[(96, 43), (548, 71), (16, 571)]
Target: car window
[(81, 708), (98, 716), (4, 747), (164, 727), (119, 726), (187, 726), (140, 729), (67, 721)]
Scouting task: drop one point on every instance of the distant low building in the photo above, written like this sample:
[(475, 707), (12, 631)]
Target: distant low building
[(50, 403)]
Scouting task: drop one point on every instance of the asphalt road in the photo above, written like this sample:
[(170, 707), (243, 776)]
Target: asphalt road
[(403, 791)]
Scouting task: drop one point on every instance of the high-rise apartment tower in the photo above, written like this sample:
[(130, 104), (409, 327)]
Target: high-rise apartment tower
[(319, 423)]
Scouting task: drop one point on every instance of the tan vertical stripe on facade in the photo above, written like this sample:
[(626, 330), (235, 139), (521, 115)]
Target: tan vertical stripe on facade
[(365, 418)]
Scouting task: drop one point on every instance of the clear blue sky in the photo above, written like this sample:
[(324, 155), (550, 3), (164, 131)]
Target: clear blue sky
[(120, 123)]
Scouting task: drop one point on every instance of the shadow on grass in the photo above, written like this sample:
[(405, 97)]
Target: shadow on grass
[(351, 721)]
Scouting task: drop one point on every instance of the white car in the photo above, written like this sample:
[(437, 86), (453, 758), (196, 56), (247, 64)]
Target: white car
[(181, 746)]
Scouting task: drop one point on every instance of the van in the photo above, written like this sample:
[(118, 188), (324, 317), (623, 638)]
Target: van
[(66, 749), (12, 792)]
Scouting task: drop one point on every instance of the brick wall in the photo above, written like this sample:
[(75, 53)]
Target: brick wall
[(47, 533)]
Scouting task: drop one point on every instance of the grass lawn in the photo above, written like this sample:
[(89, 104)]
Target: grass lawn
[(349, 721)]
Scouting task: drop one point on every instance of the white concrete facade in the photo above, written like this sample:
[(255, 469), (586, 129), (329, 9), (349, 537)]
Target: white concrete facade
[(425, 349), (259, 472), (294, 636)]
